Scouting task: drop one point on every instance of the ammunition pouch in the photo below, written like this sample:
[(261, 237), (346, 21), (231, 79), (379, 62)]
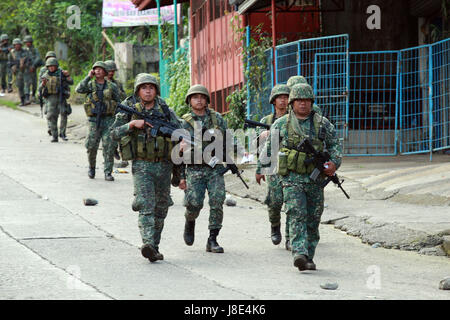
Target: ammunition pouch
[(136, 146), (293, 160)]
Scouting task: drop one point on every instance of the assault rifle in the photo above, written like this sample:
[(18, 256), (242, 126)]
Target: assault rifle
[(160, 125), (41, 102), (319, 159), (254, 124), (98, 111)]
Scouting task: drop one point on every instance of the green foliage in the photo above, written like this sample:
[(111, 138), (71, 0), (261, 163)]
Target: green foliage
[(237, 103), (179, 79)]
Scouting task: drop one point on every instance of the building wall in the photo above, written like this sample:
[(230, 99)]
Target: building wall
[(398, 26)]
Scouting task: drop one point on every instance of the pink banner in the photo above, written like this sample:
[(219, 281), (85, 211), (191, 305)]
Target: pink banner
[(122, 13)]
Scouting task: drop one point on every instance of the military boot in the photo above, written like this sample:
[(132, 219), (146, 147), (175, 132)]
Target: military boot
[(159, 255), (3, 90), (22, 101), (10, 88), (63, 136), (27, 100), (300, 262), (109, 177), (276, 235), (189, 230), (288, 245), (54, 139), (212, 245), (116, 154), (310, 265), (91, 173), (149, 252)]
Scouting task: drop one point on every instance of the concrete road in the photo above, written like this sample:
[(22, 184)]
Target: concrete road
[(54, 247)]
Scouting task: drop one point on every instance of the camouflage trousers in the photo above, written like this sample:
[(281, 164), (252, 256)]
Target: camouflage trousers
[(152, 198), (198, 180), (30, 80), (274, 201), (3, 74), (304, 204), (93, 142), (53, 110), (20, 84)]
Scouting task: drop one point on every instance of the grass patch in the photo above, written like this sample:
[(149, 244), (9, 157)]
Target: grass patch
[(9, 104)]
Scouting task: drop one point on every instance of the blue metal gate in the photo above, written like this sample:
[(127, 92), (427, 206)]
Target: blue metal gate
[(416, 101), (440, 66)]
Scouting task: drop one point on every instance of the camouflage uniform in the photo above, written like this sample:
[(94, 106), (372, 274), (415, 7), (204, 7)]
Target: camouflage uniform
[(151, 170), (5, 74), (50, 54), (202, 177), (292, 81), (36, 62), (274, 198), (19, 62), (55, 100), (303, 198), (107, 94)]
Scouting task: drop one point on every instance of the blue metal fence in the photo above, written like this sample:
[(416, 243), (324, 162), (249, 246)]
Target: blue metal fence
[(440, 66), (381, 102), (373, 105), (415, 100)]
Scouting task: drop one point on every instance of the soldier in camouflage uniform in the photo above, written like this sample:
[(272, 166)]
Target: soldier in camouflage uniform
[(5, 73), (303, 198), (279, 97), (50, 54), (104, 94), (111, 69), (54, 86), (36, 62), (200, 177), (151, 161), (292, 81), (19, 60)]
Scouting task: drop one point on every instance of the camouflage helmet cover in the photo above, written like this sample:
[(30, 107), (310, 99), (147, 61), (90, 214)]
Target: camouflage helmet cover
[(100, 64), (296, 80), (110, 65), (51, 62), (4, 37), (198, 88), (17, 41), (142, 78), (278, 90), (50, 54), (301, 91), (28, 39)]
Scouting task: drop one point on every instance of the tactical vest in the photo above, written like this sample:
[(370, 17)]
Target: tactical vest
[(110, 104), (52, 85), (215, 125), (290, 159), (141, 145), (4, 54)]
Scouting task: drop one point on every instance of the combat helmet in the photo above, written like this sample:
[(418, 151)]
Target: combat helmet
[(52, 62), (198, 88), (142, 78), (278, 90), (4, 37), (99, 64), (301, 91), (50, 54), (17, 41), (296, 80), (28, 39), (110, 65)]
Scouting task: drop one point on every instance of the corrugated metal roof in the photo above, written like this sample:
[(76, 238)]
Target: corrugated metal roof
[(424, 8)]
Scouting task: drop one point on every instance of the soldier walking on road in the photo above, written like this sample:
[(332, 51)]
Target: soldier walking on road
[(201, 177), (102, 98), (303, 197), (151, 161), (36, 62), (279, 97), (5, 73), (111, 69), (19, 60), (50, 54), (55, 90)]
